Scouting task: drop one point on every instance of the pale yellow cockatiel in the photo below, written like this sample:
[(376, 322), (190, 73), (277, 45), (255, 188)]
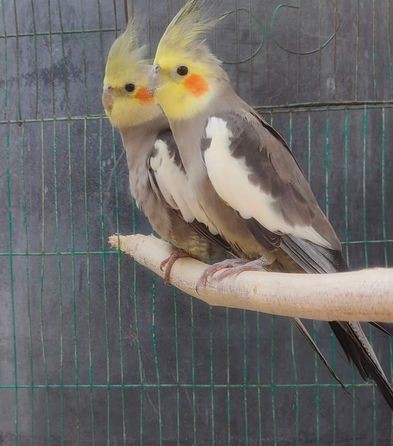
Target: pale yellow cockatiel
[(245, 177)]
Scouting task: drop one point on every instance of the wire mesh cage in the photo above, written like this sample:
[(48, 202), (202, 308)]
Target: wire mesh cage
[(94, 349)]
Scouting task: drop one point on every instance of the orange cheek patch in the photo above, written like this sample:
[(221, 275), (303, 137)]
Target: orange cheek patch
[(144, 95), (196, 85)]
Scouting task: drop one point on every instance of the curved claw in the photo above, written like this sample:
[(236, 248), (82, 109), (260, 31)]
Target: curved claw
[(213, 269), (234, 267), (167, 264), (255, 265)]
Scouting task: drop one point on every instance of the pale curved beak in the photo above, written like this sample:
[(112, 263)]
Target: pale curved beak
[(155, 77), (107, 99)]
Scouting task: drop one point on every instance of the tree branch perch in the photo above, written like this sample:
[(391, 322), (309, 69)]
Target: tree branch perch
[(365, 295)]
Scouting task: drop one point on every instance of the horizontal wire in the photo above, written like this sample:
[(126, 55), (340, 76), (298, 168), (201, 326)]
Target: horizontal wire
[(60, 119), (181, 385), (57, 33), (60, 253), (110, 251), (295, 107), (330, 105)]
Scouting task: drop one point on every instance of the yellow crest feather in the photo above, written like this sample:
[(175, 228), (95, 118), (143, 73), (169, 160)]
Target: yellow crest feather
[(125, 56), (187, 31)]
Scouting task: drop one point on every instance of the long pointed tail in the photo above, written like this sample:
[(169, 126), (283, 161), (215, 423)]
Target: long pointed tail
[(358, 350), (303, 330)]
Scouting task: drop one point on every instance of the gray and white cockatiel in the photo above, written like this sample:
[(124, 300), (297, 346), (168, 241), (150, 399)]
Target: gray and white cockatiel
[(157, 177), (244, 175), (150, 150)]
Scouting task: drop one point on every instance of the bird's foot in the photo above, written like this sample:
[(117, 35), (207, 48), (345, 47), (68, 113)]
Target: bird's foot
[(213, 269), (168, 263), (254, 265)]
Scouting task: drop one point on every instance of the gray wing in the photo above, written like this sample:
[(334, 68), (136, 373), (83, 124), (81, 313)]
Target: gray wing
[(307, 254), (269, 190), (172, 181), (170, 184)]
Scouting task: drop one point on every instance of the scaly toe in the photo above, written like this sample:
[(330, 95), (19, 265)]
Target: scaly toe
[(167, 264), (213, 269), (234, 272)]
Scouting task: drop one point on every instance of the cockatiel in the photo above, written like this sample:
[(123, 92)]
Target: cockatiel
[(244, 175), (157, 178), (151, 150)]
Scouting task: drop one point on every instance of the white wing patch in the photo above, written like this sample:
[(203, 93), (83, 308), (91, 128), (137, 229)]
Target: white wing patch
[(229, 176), (175, 188)]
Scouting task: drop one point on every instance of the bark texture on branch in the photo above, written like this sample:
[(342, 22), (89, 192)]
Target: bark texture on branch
[(365, 295)]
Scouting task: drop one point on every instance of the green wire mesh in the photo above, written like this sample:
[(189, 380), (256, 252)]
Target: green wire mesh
[(94, 349)]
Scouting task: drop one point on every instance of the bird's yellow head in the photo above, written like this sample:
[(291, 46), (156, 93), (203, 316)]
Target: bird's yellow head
[(126, 97), (186, 75)]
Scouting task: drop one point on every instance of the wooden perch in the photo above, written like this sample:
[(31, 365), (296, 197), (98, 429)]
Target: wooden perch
[(365, 295)]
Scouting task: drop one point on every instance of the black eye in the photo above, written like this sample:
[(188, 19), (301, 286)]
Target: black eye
[(182, 70), (129, 87)]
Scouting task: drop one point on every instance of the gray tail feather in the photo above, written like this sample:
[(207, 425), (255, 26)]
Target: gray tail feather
[(303, 330), (358, 350), (317, 259), (313, 258), (385, 328)]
